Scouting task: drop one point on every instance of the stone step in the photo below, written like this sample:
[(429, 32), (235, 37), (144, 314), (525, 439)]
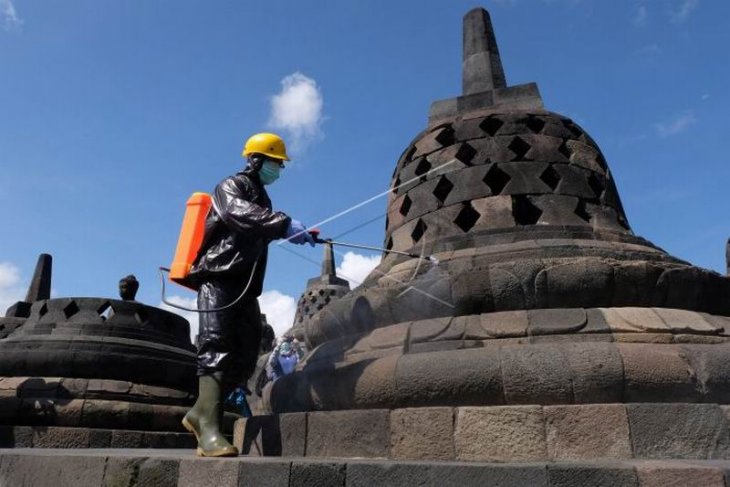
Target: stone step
[(175, 468)]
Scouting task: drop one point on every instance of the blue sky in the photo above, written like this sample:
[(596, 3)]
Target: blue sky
[(112, 113)]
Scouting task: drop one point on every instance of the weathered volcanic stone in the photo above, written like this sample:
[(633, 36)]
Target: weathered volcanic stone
[(656, 373), (595, 476), (324, 474), (665, 474), (200, 472), (536, 371), (678, 431), (585, 432), (364, 433), (422, 433), (500, 434), (264, 473)]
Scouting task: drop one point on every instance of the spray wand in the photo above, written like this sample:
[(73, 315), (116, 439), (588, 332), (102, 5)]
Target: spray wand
[(314, 232)]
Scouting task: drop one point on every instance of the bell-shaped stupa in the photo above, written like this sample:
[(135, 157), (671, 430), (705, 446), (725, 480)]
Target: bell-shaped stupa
[(539, 292)]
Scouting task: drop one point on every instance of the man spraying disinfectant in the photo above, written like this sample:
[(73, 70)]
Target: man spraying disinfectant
[(228, 273)]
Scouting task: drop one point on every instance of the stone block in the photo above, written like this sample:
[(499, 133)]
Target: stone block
[(321, 474), (207, 472), (678, 430), (500, 434), (683, 321), (669, 474), (60, 437), (293, 428), (422, 433), (100, 438), (264, 473), (390, 474), (657, 373), (595, 476), (356, 433), (576, 284), (504, 324), (68, 412), (126, 439), (125, 471), (643, 338), (555, 321), (597, 371), (258, 436), (448, 378), (536, 373), (587, 432), (105, 414), (52, 470), (711, 366)]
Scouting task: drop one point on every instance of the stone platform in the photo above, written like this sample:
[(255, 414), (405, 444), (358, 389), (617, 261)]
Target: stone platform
[(519, 433), (163, 468)]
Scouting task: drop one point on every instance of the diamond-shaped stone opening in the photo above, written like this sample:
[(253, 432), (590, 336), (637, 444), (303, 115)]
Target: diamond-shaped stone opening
[(409, 154), (465, 153), (419, 230), (524, 211), (71, 309), (446, 136), (601, 161), (396, 184), (520, 147), (564, 149), (574, 129), (423, 167), (496, 179), (550, 177), (466, 218), (321, 292), (581, 211), (43, 310), (535, 124), (491, 125), (105, 311), (405, 206), (389, 243), (596, 185), (442, 189)]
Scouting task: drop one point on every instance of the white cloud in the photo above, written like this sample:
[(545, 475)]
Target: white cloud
[(9, 17), (191, 316), (10, 286), (679, 123), (355, 267), (297, 110), (640, 16), (279, 309), (706, 96), (683, 11)]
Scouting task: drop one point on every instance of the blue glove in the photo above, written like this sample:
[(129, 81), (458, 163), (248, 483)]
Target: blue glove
[(297, 233)]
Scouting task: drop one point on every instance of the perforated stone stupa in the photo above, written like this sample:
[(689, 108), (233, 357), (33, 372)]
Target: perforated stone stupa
[(543, 298)]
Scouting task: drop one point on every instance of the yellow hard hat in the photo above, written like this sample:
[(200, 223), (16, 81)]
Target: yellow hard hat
[(270, 145)]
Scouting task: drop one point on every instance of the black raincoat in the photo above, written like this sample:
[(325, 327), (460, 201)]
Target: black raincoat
[(237, 233)]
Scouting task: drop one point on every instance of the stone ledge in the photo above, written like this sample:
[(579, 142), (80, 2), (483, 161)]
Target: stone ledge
[(496, 433), (65, 437), (168, 468)]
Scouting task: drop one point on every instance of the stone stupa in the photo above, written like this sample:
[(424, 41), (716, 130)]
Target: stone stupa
[(546, 331)]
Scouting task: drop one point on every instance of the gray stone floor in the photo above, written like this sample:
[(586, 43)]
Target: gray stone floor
[(181, 468)]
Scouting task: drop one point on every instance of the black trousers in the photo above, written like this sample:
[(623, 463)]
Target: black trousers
[(228, 340)]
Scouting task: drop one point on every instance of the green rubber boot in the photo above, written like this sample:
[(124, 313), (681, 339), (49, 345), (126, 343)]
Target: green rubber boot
[(203, 420)]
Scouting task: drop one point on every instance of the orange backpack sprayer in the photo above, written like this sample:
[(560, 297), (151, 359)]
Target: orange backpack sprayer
[(192, 234), (191, 237)]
